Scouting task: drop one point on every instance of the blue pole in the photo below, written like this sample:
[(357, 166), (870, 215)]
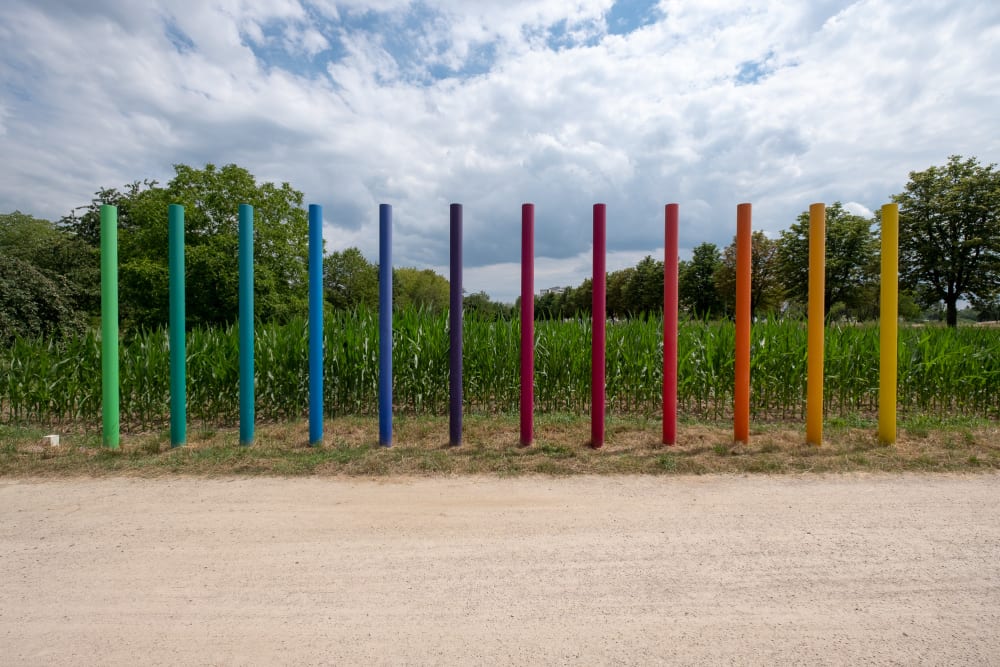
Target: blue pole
[(385, 325), (455, 328), (178, 372), (315, 325), (246, 323)]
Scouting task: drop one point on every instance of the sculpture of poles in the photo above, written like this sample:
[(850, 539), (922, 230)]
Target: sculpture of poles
[(527, 323), (670, 297), (816, 320), (455, 329), (246, 324), (315, 325), (741, 388), (178, 324), (599, 320), (889, 325), (385, 325), (109, 327)]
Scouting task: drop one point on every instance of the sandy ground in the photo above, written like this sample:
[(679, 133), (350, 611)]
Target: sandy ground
[(718, 570)]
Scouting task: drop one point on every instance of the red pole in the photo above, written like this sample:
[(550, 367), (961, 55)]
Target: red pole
[(741, 390), (597, 396), (670, 325), (527, 323)]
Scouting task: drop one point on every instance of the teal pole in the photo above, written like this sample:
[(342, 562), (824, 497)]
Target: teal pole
[(109, 325), (178, 322), (246, 323)]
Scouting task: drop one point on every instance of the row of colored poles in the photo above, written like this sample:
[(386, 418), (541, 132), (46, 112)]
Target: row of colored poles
[(741, 392)]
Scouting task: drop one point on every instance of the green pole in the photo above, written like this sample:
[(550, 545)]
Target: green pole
[(178, 384), (109, 325)]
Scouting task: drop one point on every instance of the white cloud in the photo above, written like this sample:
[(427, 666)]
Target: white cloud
[(780, 104)]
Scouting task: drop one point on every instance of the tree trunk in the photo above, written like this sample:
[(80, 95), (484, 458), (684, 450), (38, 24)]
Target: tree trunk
[(952, 311)]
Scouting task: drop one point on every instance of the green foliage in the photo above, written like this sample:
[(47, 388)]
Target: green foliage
[(211, 199), (696, 282), (942, 372), (416, 288), (851, 264), (349, 280), (48, 280), (949, 233), (766, 290)]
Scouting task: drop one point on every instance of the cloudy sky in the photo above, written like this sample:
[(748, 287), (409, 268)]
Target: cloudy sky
[(491, 103)]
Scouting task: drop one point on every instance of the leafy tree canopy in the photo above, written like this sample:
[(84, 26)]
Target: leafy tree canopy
[(949, 233)]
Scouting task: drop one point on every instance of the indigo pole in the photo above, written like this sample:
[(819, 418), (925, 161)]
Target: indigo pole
[(598, 310), (527, 324), (385, 325), (246, 324), (178, 323), (670, 294), (455, 329), (109, 327), (315, 325)]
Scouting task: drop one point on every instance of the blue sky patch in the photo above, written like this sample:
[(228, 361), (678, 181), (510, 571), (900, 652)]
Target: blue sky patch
[(628, 16)]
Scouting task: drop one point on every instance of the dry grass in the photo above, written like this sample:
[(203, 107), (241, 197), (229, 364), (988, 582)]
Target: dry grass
[(491, 447)]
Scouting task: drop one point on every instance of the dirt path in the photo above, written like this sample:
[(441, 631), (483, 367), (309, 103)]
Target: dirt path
[(752, 570)]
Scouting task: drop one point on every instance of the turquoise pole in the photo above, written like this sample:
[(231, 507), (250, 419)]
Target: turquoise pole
[(246, 324), (178, 322)]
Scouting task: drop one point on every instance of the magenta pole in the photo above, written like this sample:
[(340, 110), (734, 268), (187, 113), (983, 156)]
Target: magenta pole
[(527, 324), (670, 325), (597, 396), (455, 329)]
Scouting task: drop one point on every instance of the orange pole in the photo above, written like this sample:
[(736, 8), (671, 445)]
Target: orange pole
[(741, 390), (817, 314)]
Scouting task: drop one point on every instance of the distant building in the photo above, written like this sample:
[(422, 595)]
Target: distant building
[(553, 290)]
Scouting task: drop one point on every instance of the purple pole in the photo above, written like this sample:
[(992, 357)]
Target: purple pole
[(527, 323), (455, 328), (599, 305)]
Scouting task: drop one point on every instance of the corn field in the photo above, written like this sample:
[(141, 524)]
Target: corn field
[(941, 371)]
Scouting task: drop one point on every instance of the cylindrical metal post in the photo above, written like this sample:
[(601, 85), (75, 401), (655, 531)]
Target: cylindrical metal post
[(109, 326), (315, 325), (888, 332), (178, 324), (527, 324), (816, 318), (385, 325), (670, 294), (246, 324), (741, 387), (455, 328), (598, 314)]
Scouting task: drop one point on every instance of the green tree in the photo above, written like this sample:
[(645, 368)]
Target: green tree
[(52, 280), (416, 288), (851, 263), (766, 293), (211, 199), (616, 292), (350, 280), (696, 282), (949, 233), (644, 291)]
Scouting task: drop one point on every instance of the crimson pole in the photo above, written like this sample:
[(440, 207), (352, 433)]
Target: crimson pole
[(527, 323), (598, 310), (670, 325)]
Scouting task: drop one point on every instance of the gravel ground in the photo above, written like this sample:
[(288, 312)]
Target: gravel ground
[(469, 570)]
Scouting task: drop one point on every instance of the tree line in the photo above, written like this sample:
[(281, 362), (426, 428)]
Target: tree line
[(50, 271)]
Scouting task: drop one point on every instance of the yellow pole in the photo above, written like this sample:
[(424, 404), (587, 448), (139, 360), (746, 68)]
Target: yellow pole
[(888, 330), (814, 373)]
